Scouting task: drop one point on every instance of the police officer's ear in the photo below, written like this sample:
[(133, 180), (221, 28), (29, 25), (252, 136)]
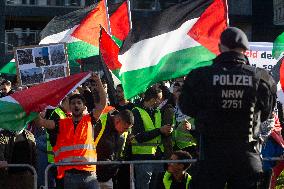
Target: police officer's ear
[(223, 48), (219, 46)]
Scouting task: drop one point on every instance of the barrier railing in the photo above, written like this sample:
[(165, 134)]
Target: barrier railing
[(27, 166), (131, 163)]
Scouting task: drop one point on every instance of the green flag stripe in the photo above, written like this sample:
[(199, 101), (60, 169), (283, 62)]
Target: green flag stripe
[(116, 72), (173, 65), (79, 49), (13, 117), (117, 41)]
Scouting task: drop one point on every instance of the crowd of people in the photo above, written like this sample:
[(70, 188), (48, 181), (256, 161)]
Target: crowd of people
[(223, 122)]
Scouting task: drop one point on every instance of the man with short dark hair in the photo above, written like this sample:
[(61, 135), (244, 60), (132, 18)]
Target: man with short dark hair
[(114, 127), (148, 132), (122, 104), (229, 100), (75, 141), (6, 88)]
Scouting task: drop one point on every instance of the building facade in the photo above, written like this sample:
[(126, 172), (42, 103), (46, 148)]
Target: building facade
[(22, 20)]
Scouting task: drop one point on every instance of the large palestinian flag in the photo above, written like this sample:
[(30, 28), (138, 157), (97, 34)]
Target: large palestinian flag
[(81, 29), (21, 107), (171, 44)]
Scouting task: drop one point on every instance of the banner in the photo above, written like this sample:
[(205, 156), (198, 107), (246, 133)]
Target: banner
[(260, 55)]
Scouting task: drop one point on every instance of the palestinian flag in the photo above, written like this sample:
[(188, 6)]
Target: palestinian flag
[(109, 53), (21, 107), (81, 29), (170, 45)]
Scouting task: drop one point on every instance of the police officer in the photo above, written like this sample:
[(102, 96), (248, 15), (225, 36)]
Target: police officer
[(228, 100)]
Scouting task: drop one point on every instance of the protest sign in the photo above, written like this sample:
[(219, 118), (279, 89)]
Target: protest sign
[(41, 63)]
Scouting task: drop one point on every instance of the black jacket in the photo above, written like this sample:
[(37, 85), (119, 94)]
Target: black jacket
[(110, 148), (228, 98)]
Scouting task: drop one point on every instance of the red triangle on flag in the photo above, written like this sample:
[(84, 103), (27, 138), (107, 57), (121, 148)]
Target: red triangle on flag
[(89, 28), (119, 22), (207, 30), (38, 97), (109, 51)]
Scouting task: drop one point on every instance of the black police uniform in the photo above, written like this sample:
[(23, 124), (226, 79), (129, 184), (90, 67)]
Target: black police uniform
[(228, 100)]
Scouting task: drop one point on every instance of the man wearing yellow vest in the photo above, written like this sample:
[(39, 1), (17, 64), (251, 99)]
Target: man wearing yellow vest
[(56, 114), (147, 136), (75, 141), (176, 176)]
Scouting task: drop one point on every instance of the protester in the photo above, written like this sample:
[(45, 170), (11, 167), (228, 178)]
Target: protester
[(184, 135), (147, 134), (122, 104), (17, 148), (114, 128), (121, 179), (176, 176), (228, 100), (75, 140), (6, 88), (168, 117), (61, 112)]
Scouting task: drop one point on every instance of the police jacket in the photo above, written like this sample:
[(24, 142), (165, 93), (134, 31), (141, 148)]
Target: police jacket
[(230, 98)]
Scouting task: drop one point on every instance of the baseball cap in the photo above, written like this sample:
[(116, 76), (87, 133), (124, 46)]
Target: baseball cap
[(233, 37)]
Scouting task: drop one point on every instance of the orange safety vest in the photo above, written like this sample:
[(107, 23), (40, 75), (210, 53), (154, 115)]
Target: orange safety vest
[(75, 146)]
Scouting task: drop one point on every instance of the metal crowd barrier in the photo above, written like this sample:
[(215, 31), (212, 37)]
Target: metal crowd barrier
[(28, 166), (131, 163)]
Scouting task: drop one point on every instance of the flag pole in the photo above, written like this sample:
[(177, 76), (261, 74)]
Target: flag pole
[(227, 11), (110, 83), (129, 14), (108, 20)]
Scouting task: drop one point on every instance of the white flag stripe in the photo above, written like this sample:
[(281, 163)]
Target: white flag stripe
[(166, 43), (63, 37)]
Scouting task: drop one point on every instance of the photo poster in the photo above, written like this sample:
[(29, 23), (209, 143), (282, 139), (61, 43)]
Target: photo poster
[(260, 55), (41, 63)]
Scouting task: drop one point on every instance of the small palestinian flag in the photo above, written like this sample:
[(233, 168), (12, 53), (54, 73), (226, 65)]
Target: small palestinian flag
[(109, 53), (170, 45), (22, 107), (81, 29)]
